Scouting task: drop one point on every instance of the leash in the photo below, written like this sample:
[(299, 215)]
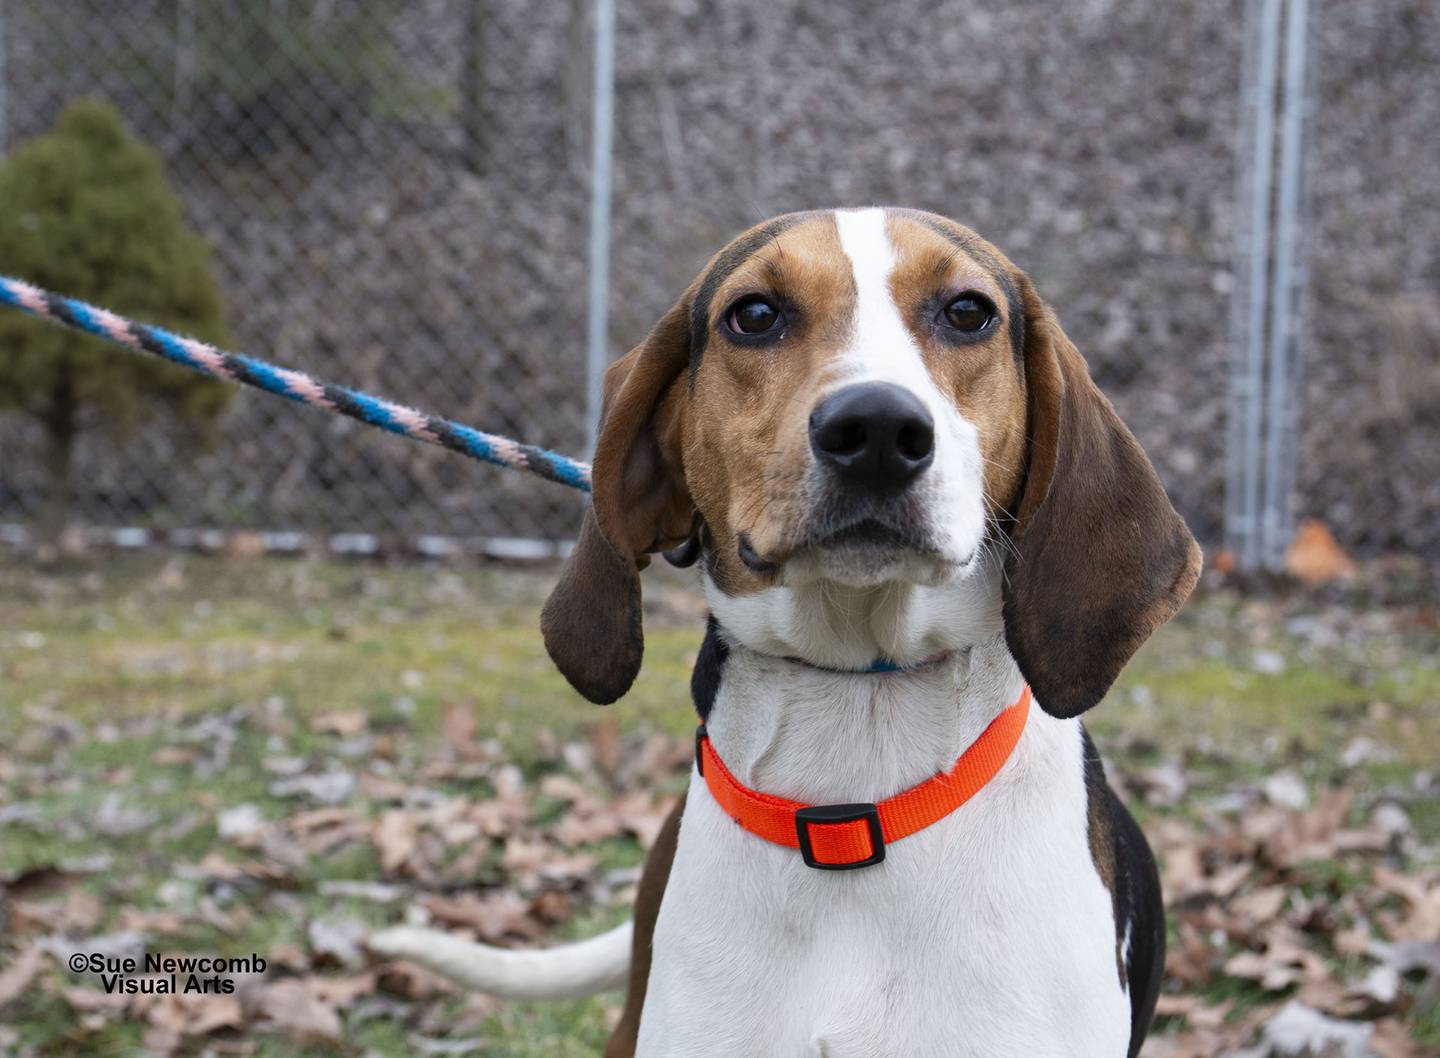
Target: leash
[(295, 385)]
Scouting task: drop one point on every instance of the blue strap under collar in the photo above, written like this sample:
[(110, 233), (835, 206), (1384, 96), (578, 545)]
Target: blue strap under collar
[(879, 665)]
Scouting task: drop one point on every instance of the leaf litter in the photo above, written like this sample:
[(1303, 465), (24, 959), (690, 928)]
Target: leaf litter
[(1304, 903)]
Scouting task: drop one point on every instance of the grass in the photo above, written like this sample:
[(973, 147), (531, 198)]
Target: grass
[(105, 668), (200, 635)]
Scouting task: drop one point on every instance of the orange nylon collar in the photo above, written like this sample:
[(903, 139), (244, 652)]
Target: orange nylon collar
[(843, 837)]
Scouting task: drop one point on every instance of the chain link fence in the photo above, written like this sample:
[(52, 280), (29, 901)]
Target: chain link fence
[(398, 198), (374, 221)]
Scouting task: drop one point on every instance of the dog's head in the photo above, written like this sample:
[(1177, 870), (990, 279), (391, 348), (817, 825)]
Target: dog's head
[(873, 401)]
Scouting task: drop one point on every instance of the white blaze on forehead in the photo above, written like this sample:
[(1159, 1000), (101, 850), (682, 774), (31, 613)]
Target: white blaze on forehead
[(881, 347)]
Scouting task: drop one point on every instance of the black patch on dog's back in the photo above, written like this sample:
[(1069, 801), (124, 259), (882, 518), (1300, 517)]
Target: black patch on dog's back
[(705, 680), (1126, 866)]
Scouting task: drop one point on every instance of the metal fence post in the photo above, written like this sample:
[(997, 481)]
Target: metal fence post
[(1285, 297), (597, 354), (1255, 258), (1270, 284)]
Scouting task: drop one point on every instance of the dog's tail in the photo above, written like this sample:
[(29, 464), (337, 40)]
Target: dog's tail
[(570, 971)]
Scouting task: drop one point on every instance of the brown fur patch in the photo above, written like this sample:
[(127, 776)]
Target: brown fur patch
[(647, 908), (747, 440)]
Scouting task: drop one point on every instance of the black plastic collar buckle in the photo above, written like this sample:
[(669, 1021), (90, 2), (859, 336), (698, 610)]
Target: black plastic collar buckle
[(850, 813)]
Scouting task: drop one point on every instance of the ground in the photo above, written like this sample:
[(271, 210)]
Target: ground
[(201, 755)]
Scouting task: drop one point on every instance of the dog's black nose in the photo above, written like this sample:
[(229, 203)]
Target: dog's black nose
[(873, 434)]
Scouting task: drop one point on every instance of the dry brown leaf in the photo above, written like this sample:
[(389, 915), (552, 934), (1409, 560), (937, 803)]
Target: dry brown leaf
[(552, 906), (1315, 556), (644, 824), (1393, 1039), (1191, 959), (458, 724), (498, 817), (1176, 1005), (1421, 918), (579, 827), (217, 866), (93, 1000), (383, 788), (319, 830), (163, 922), (1227, 881), (1183, 871), (411, 981), (175, 755), (15, 979), (1274, 974), (566, 870), (493, 916), (342, 722), (290, 957), (303, 1017), (160, 1042), (1207, 1017), (1260, 905), (340, 992), (396, 836), (78, 913), (320, 818), (563, 788), (209, 1013), (524, 854)]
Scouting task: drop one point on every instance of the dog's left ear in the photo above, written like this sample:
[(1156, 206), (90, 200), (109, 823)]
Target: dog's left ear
[(638, 505), (1100, 558)]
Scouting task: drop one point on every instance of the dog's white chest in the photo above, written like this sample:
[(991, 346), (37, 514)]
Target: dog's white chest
[(988, 934)]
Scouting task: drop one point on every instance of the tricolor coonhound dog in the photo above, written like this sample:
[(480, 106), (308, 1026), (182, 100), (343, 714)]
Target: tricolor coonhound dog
[(914, 514)]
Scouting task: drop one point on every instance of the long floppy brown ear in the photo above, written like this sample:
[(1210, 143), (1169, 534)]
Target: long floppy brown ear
[(1100, 558), (638, 505)]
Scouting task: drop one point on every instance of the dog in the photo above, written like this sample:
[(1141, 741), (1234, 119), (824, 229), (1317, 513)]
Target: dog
[(914, 515)]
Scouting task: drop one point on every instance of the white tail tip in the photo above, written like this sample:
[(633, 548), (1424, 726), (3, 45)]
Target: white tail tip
[(570, 971)]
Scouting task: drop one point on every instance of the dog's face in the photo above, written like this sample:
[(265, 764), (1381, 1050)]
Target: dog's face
[(857, 402), (874, 401)]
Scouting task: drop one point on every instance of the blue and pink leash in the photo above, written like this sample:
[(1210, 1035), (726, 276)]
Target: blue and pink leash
[(294, 385)]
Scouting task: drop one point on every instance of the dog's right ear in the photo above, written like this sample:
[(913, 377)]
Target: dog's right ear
[(1098, 559), (638, 505)]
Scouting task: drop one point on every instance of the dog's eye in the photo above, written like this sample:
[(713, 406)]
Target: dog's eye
[(753, 315), (970, 312)]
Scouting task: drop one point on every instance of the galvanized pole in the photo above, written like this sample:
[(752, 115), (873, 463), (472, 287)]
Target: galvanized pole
[(1238, 407), (597, 354), (1285, 296), (1300, 307), (1248, 380)]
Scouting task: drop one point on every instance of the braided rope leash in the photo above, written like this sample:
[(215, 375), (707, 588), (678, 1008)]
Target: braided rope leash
[(294, 385)]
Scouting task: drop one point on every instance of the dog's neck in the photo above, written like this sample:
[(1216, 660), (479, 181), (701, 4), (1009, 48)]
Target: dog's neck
[(822, 736)]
